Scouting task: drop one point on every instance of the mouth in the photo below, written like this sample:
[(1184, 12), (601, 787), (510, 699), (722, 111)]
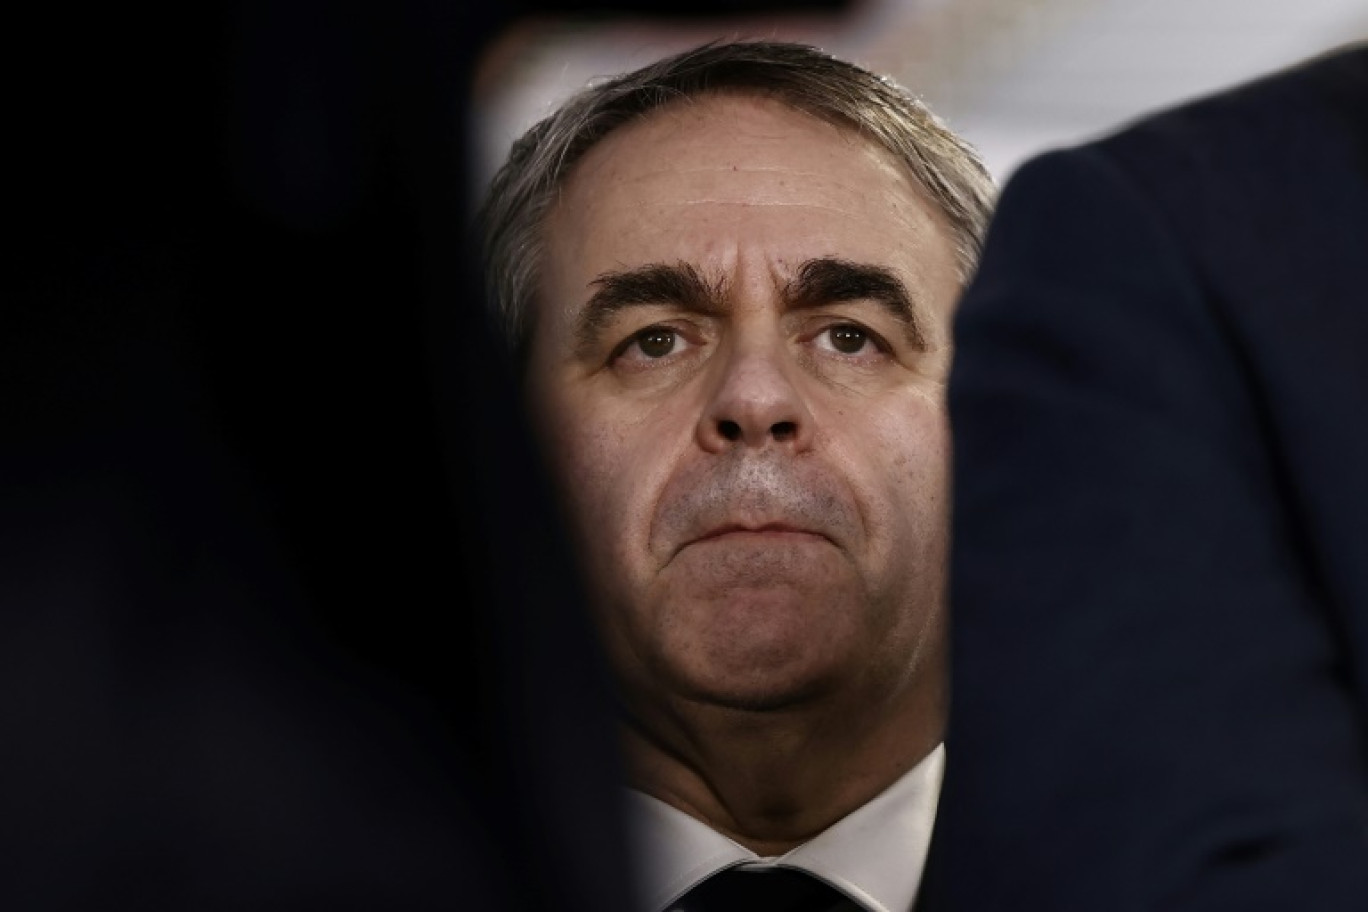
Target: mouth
[(775, 531)]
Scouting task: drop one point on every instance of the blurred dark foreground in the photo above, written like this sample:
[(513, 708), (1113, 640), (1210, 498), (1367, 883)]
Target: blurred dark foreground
[(285, 617)]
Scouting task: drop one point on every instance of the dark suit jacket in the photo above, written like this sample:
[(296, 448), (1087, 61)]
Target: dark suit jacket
[(1160, 570)]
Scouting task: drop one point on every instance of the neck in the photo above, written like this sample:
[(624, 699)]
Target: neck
[(772, 780)]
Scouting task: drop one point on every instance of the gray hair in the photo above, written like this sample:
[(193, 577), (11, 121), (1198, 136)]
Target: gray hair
[(802, 77)]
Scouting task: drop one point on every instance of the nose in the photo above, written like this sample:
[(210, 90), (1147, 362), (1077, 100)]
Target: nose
[(756, 402)]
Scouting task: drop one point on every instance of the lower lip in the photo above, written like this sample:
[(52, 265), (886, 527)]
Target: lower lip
[(774, 535)]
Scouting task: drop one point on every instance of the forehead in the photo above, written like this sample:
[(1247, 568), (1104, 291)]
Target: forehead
[(723, 179)]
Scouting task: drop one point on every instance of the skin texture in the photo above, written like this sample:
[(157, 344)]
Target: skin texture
[(757, 478)]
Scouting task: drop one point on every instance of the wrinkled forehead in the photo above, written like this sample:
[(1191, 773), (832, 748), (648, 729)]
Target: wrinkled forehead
[(739, 148), (715, 180)]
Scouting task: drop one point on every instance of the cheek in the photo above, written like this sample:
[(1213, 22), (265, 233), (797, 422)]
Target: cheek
[(912, 537), (922, 460), (907, 449), (587, 461), (611, 465)]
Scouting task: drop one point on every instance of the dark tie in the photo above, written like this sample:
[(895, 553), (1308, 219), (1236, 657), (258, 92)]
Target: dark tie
[(764, 890)]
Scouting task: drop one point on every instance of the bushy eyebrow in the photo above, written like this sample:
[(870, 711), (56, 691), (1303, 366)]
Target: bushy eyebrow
[(828, 280), (676, 285), (819, 281)]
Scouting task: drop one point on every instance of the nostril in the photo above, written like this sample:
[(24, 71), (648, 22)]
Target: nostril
[(730, 430), (783, 430)]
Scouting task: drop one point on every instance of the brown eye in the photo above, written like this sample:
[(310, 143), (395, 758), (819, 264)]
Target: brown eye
[(847, 339), (656, 342)]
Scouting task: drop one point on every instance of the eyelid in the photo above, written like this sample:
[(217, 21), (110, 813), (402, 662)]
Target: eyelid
[(689, 334), (819, 324), (614, 330), (899, 332)]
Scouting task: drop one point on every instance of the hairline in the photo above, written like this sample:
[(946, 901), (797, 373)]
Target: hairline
[(951, 170)]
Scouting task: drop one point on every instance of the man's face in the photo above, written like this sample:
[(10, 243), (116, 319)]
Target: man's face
[(738, 363)]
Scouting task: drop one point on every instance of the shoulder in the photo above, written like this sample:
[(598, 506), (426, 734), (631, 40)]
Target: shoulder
[(1319, 104), (1309, 122), (1216, 186)]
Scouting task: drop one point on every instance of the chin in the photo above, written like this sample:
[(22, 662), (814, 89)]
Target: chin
[(759, 700), (756, 682), (757, 650)]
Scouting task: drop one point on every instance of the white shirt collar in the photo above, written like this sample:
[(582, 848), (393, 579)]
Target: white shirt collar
[(875, 854)]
